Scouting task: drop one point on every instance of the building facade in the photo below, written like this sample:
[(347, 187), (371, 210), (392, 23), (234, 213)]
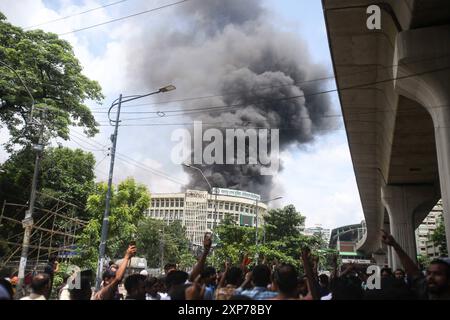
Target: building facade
[(318, 230), (425, 246), (200, 211), (345, 239)]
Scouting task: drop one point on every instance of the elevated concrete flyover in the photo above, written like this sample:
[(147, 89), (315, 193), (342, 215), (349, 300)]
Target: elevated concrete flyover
[(394, 89)]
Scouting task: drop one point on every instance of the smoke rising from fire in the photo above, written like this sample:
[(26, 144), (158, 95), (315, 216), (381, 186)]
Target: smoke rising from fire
[(232, 49)]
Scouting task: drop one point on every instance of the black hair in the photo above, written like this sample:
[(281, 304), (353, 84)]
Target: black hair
[(285, 276), (234, 276), (442, 263), (108, 274), (261, 275), (324, 279), (40, 283), (401, 270), (208, 272), (387, 270), (151, 281), (132, 281), (8, 287), (52, 258), (176, 278), (170, 266)]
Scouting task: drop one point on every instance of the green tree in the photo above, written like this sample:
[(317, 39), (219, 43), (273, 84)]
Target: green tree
[(54, 76), (439, 238), (156, 239), (129, 202), (283, 223), (65, 174), (423, 260), (233, 241), (282, 242)]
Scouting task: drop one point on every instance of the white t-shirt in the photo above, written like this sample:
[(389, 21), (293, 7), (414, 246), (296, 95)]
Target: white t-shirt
[(34, 296)]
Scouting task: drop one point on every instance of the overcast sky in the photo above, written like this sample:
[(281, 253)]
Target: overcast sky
[(317, 177)]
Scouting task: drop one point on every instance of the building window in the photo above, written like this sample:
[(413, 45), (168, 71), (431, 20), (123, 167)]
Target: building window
[(227, 206)]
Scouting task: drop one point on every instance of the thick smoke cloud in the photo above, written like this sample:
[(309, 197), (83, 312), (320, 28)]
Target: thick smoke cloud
[(230, 47)]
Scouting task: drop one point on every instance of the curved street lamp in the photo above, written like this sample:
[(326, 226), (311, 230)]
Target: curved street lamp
[(105, 224)]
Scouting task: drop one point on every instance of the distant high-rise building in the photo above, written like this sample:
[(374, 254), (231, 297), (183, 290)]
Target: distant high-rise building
[(318, 230), (425, 246)]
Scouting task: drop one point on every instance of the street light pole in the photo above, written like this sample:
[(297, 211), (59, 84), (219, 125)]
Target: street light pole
[(105, 223)]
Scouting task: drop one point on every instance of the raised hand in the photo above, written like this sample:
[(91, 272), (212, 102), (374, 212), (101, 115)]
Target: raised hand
[(131, 251), (387, 239), (207, 241)]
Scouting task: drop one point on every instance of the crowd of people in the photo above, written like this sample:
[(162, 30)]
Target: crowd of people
[(277, 281)]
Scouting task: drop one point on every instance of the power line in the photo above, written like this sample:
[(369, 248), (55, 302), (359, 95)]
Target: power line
[(123, 18), (128, 159), (218, 95), (98, 163), (74, 139), (76, 14), (154, 171), (89, 141), (239, 105), (227, 93)]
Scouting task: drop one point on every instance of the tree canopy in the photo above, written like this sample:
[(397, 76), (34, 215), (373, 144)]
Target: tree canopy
[(129, 203), (160, 243), (439, 238), (279, 239), (66, 174), (54, 77)]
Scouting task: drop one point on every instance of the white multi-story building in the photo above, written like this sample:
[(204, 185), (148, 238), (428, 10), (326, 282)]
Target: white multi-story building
[(318, 230), (200, 211), (425, 246)]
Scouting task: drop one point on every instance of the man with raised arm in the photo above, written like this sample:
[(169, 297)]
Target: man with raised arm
[(435, 285), (109, 290)]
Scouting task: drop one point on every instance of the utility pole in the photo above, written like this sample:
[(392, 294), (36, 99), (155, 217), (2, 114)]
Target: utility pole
[(28, 222), (105, 224)]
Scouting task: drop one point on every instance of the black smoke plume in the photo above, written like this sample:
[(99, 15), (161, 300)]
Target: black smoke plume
[(231, 48)]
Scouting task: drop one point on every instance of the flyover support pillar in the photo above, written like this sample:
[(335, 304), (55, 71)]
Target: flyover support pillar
[(422, 57)]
